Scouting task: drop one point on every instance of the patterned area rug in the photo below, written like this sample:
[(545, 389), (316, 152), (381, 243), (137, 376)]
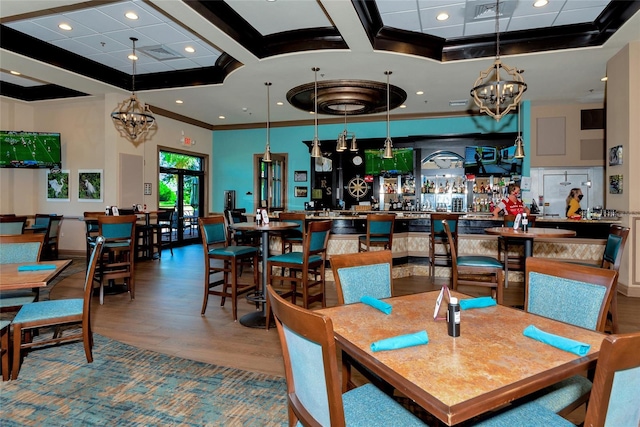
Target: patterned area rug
[(128, 386)]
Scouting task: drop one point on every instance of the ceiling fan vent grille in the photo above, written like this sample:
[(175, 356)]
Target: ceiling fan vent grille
[(160, 52), (484, 10)]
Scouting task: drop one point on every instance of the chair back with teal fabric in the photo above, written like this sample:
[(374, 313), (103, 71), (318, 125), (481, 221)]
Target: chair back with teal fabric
[(579, 295), (311, 367), (117, 227), (12, 224), (20, 248), (615, 396), (316, 239), (613, 250), (362, 274), (213, 229), (379, 232)]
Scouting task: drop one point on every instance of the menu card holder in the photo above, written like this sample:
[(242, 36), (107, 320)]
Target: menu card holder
[(440, 312), (265, 216)]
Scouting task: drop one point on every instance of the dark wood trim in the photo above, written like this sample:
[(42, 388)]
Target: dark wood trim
[(179, 117), (37, 93)]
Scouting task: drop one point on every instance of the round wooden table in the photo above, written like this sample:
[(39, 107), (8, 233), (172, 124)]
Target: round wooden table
[(258, 319), (531, 234)]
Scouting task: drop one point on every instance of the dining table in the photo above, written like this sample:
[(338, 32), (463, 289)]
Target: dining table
[(258, 319), (489, 365), (11, 278)]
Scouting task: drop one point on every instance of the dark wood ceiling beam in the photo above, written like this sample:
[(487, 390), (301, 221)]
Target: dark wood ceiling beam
[(37, 93)]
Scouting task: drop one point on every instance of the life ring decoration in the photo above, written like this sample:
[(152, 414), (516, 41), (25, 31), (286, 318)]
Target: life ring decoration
[(357, 188)]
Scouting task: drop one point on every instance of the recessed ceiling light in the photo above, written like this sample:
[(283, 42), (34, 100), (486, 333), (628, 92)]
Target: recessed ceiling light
[(15, 73), (604, 79), (443, 16), (420, 92), (65, 27), (131, 15), (179, 101), (279, 103), (221, 117), (403, 106), (189, 49), (540, 3), (132, 57)]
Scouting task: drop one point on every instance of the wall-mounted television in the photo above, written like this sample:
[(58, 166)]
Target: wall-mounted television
[(486, 160), (30, 150), (400, 164)]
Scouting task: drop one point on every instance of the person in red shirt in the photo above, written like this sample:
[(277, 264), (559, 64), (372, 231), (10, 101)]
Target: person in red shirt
[(511, 205)]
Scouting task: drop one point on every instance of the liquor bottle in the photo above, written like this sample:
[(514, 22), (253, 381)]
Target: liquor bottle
[(453, 318)]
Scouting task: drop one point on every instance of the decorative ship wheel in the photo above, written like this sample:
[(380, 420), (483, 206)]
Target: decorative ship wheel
[(357, 187)]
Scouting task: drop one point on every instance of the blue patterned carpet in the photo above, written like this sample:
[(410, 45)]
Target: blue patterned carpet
[(126, 386)]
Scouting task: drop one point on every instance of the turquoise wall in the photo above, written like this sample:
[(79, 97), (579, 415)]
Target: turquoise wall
[(233, 150)]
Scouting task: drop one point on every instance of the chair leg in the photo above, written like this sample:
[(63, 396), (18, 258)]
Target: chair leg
[(613, 309), (234, 288), (17, 347), (4, 345), (205, 300), (87, 340)]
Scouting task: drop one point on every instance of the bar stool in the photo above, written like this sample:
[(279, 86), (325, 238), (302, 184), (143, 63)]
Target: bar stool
[(379, 232), (295, 236), (438, 236)]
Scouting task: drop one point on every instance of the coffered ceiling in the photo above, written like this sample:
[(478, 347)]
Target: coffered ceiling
[(235, 46)]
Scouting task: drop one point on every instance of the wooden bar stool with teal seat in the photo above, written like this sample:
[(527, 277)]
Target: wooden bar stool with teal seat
[(513, 249), (294, 236), (438, 239), (379, 232), (475, 270), (216, 249)]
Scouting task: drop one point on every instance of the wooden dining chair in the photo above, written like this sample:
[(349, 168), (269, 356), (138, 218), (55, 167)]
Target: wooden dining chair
[(511, 251), (294, 236), (19, 248), (357, 275), (580, 296), (311, 370), (614, 399), (51, 224), (438, 239), (217, 250), (91, 230), (379, 232), (118, 254), (12, 224), (475, 270), (55, 313), (163, 231)]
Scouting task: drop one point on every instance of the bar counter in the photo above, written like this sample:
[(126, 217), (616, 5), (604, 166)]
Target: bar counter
[(411, 239)]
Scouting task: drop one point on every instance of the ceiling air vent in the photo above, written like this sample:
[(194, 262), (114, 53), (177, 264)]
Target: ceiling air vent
[(458, 103), (160, 52), (482, 9)]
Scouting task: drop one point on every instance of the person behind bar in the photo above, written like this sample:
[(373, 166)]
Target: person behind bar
[(511, 205), (574, 211)]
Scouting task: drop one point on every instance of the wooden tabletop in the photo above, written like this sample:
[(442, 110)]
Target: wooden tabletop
[(271, 226), (11, 278), (533, 232), (489, 364)]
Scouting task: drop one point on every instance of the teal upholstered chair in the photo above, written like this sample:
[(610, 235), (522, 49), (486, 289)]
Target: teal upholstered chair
[(311, 371), (217, 251), (310, 263), (51, 224), (293, 236), (4, 348), (118, 254), (614, 400), (12, 224), (475, 270), (580, 296), (379, 232), (55, 313), (438, 237), (19, 248), (357, 275)]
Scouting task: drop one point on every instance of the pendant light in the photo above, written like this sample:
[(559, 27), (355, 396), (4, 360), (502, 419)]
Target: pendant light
[(388, 145), (267, 151), (132, 118), (315, 149), (519, 144)]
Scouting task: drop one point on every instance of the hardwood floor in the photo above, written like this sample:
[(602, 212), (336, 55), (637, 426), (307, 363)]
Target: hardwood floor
[(165, 316)]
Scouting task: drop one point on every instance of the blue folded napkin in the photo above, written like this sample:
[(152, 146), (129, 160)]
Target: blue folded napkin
[(35, 267), (376, 303), (401, 341), (566, 344), (466, 304)]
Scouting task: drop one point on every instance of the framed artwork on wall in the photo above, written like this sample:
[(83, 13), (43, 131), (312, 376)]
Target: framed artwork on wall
[(58, 186), (615, 155), (90, 185), (615, 184), (300, 176), (301, 191)]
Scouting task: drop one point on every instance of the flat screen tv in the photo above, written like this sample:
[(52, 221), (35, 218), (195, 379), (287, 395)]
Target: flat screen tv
[(486, 160), (400, 164), (30, 150)]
